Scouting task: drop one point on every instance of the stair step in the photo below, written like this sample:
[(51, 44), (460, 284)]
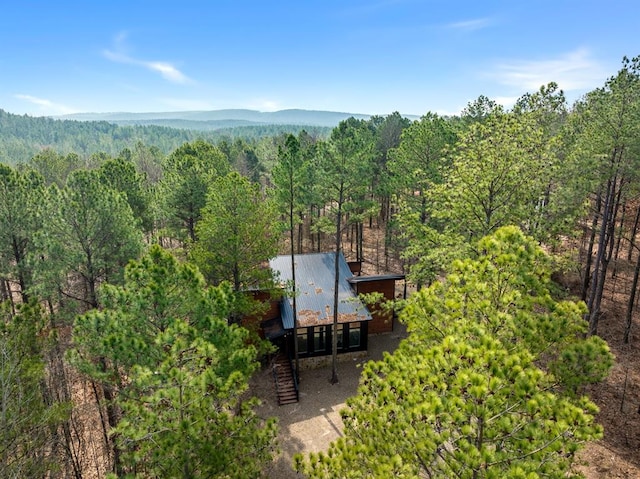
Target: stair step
[(287, 398), (285, 385)]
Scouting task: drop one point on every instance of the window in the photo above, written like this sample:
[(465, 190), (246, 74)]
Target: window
[(354, 335), (302, 341), (340, 333), (319, 339)]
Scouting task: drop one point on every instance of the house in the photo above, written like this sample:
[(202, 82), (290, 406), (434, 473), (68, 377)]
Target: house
[(315, 281), (314, 303), (315, 286)]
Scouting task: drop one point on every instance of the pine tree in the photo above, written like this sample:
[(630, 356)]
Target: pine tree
[(174, 374), (463, 396)]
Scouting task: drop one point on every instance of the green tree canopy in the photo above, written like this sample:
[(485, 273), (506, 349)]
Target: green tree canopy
[(176, 374), (54, 167), (88, 238), (480, 110), (420, 160), (497, 177), (185, 415), (188, 173), (21, 198), (507, 290), (417, 166), (121, 175), (238, 233), (457, 408), (463, 396), (29, 418)]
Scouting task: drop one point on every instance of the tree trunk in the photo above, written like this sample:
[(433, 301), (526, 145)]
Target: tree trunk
[(311, 235), (614, 219), (632, 235), (4, 291), (300, 233), (319, 237), (616, 251), (589, 253), (19, 259), (632, 300), (361, 242), (191, 229), (602, 258), (112, 418), (353, 236), (294, 290), (334, 336), (614, 243), (385, 202)]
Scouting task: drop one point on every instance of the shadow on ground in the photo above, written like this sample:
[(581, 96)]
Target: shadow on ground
[(313, 423)]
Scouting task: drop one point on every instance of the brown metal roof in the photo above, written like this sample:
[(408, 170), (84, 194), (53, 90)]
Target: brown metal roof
[(315, 290)]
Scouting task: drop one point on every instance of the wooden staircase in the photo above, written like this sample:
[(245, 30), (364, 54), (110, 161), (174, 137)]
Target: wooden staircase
[(286, 385)]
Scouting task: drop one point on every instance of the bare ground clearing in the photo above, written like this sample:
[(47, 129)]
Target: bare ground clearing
[(314, 422)]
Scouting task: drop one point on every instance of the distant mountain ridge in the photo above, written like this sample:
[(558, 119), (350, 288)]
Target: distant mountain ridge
[(214, 119), (23, 136)]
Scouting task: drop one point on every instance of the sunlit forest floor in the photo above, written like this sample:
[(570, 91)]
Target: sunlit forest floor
[(618, 397)]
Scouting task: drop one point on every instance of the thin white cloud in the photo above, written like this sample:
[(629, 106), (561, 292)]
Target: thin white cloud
[(471, 25), (168, 71), (575, 70), (117, 57), (46, 107), (186, 104), (263, 104), (506, 101), (269, 105)]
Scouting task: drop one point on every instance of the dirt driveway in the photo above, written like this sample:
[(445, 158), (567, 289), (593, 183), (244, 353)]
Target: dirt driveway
[(311, 424)]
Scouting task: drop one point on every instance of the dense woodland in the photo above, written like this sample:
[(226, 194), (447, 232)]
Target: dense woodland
[(124, 271), (22, 137)]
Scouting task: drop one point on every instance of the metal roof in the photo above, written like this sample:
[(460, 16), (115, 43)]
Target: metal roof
[(315, 290), (273, 328), (380, 277)]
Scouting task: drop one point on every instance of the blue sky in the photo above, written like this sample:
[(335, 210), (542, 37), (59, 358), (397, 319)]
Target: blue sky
[(355, 56)]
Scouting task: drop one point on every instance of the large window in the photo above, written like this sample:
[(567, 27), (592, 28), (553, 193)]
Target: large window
[(354, 335), (320, 339), (317, 340), (303, 344), (340, 333)]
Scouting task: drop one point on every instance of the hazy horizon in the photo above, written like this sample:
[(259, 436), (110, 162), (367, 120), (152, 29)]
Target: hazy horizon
[(371, 58)]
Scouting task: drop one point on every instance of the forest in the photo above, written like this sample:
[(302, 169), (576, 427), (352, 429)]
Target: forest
[(22, 137), (125, 267)]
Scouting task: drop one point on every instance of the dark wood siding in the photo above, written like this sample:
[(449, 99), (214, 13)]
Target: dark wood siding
[(271, 311), (382, 322)]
